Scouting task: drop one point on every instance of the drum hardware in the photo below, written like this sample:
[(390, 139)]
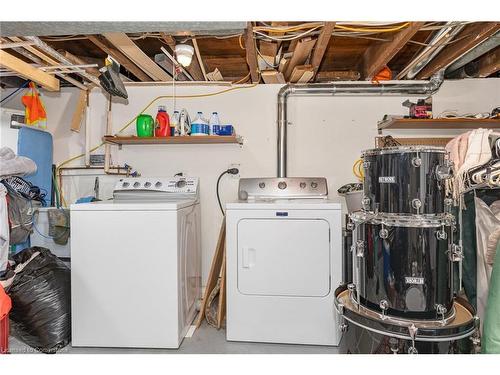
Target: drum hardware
[(366, 203), (366, 164), (416, 161), (416, 204), (350, 226), (441, 310), (455, 254), (394, 345), (397, 220), (412, 330), (441, 234), (444, 172), (384, 233), (360, 248), (343, 327), (384, 305)]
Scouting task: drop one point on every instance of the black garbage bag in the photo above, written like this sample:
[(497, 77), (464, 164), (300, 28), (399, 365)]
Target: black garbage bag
[(41, 300)]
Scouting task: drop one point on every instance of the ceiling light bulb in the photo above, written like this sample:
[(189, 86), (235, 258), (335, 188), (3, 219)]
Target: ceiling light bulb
[(184, 54)]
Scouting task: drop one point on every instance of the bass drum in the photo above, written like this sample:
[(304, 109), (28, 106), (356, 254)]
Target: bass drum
[(406, 180), (403, 267)]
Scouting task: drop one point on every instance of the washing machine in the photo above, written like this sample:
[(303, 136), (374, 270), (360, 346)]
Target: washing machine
[(284, 262), (136, 264)]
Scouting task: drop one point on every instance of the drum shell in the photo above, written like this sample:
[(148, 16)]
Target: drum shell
[(392, 182), (410, 269)]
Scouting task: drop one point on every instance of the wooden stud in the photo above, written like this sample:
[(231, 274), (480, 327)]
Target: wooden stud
[(251, 54), (81, 107), (378, 55), (221, 310), (489, 63), (321, 45), (123, 60), (471, 36), (338, 75), (200, 60), (300, 55), (272, 76), (29, 72), (135, 54)]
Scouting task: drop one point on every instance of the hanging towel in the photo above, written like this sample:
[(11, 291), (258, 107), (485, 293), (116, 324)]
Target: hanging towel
[(34, 109), (486, 224), (4, 230), (13, 165)]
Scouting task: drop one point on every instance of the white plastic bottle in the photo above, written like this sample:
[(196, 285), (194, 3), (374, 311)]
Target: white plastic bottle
[(199, 125), (214, 124), (175, 125)]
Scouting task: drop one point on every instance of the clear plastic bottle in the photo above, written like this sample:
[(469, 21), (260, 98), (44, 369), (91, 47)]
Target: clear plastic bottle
[(174, 124), (214, 124)]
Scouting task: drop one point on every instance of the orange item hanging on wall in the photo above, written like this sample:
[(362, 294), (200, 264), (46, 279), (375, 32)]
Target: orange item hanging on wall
[(34, 108), (385, 74)]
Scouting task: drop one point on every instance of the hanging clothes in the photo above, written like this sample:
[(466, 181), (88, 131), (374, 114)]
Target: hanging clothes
[(486, 224), (4, 230)]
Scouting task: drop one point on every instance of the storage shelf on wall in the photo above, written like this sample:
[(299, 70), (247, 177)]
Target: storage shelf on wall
[(439, 123), (182, 140)]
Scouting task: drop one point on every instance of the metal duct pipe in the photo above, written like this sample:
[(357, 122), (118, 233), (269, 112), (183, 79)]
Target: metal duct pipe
[(344, 89), (52, 52)]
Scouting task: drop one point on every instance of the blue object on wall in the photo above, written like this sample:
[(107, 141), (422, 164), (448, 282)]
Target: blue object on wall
[(37, 145)]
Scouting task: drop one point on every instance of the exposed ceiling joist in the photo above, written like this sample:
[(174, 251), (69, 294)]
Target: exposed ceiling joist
[(123, 60), (378, 55), (29, 72), (300, 54), (321, 46), (134, 53), (195, 69), (200, 59), (489, 63), (80, 61), (73, 28), (251, 54), (470, 37)]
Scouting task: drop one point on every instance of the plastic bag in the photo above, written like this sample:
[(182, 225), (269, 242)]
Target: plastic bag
[(41, 300), (20, 212)]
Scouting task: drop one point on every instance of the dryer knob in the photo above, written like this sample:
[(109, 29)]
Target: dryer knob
[(158, 185), (180, 184), (125, 185), (147, 184), (314, 185), (137, 184), (282, 185)]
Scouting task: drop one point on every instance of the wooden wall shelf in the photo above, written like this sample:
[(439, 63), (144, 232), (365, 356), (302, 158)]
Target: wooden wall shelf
[(183, 140), (441, 123)]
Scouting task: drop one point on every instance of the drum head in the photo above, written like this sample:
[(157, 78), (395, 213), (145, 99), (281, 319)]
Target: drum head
[(462, 323)]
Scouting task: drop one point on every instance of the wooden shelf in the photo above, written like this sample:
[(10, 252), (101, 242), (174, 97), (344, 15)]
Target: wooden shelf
[(183, 140), (441, 123)]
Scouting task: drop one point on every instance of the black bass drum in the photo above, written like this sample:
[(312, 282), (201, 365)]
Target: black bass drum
[(406, 180), (403, 265), (368, 332)]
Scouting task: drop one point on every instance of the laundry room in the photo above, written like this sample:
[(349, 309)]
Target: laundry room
[(250, 187)]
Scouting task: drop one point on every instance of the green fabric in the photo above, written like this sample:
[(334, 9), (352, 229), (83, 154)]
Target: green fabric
[(491, 326)]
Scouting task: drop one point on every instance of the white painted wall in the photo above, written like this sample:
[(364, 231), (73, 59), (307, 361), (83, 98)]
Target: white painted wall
[(326, 136)]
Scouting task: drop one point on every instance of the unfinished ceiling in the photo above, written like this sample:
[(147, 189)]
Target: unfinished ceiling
[(70, 53)]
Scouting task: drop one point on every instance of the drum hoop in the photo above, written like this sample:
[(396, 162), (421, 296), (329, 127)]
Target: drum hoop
[(398, 220), (402, 150)]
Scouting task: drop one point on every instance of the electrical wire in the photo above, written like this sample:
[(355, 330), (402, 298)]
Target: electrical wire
[(25, 84), (232, 171)]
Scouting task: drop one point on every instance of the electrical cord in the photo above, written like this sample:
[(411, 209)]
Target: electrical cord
[(228, 171)]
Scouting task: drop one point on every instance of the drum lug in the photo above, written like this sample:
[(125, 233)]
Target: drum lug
[(343, 327), (412, 330), (366, 203), (441, 310), (441, 234), (360, 248), (455, 254), (416, 204), (416, 161), (366, 164), (352, 291), (350, 226), (444, 172), (383, 233), (384, 305)]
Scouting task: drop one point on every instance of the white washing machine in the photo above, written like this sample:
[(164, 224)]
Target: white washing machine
[(284, 262), (136, 264)]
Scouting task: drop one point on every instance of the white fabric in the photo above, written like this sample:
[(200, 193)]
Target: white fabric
[(4, 229), (486, 224), (13, 165)]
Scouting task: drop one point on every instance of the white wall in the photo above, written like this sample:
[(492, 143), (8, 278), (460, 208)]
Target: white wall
[(326, 136)]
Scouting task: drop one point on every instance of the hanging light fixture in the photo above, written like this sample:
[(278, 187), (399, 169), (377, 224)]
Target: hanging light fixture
[(184, 54)]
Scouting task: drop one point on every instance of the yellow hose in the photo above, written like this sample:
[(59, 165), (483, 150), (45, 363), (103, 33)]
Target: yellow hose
[(357, 169)]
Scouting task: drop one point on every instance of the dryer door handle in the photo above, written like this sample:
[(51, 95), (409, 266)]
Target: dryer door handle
[(248, 257)]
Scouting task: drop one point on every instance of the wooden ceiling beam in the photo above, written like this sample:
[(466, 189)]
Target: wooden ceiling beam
[(200, 59), (251, 54), (122, 42), (378, 55), (27, 71), (80, 61), (321, 46), (489, 63), (471, 36), (195, 69), (123, 60), (300, 54)]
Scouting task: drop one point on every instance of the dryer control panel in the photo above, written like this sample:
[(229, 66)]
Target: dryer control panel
[(150, 187), (285, 188)]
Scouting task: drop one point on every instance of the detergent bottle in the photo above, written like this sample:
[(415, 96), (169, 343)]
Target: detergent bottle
[(162, 124), (214, 124), (199, 126), (175, 124)]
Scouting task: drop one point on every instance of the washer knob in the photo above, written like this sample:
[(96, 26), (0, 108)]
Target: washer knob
[(147, 184), (125, 185), (137, 184), (282, 185), (158, 185)]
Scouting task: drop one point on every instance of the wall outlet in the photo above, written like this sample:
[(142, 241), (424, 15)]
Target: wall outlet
[(235, 165)]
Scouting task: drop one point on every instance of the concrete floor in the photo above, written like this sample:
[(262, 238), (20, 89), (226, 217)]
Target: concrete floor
[(206, 340)]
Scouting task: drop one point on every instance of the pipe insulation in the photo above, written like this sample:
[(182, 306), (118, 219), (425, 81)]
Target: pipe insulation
[(361, 88)]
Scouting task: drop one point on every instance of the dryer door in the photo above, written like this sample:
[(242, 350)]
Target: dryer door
[(284, 257)]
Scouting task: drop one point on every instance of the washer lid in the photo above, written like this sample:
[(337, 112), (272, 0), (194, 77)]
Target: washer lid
[(111, 205)]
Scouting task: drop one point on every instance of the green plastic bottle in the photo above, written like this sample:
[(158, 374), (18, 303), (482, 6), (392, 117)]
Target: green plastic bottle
[(145, 125)]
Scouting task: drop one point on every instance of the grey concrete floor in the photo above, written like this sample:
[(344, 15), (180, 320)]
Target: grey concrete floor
[(206, 340)]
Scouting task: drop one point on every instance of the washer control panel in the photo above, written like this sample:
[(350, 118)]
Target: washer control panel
[(289, 187), (173, 187)]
